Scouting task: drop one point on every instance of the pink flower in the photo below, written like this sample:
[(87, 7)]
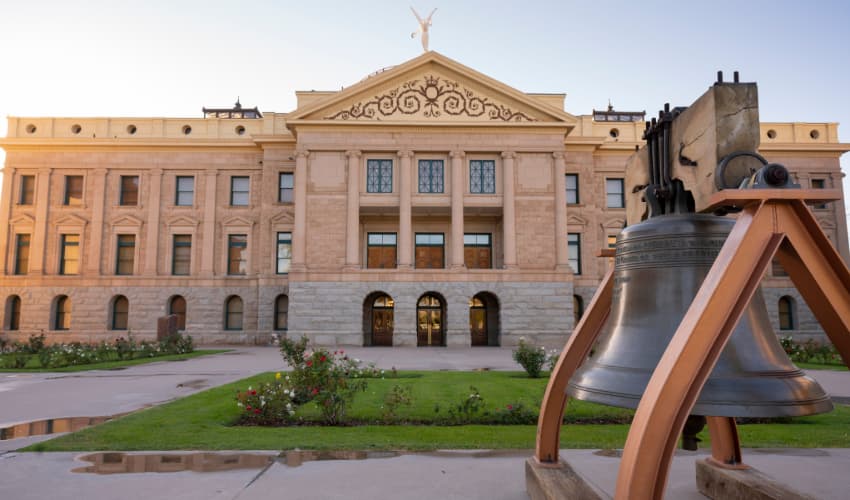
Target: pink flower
[(510, 407), (248, 407), (257, 411), (309, 364), (315, 391)]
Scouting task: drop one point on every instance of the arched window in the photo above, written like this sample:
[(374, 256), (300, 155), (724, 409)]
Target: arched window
[(120, 313), (233, 313), (177, 307), (578, 309), (13, 313), (281, 312), (62, 315), (786, 313)]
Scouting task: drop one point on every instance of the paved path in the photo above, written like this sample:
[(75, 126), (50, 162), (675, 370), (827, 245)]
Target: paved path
[(27, 397)]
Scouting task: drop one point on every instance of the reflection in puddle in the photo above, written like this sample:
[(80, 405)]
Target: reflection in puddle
[(297, 457), (51, 426), (121, 463)]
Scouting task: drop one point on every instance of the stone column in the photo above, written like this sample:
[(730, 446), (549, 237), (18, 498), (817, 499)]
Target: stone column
[(39, 238), (299, 231), (457, 210), (352, 234), (94, 246), (152, 233), (405, 230), (509, 210), (209, 240), (561, 256), (6, 240)]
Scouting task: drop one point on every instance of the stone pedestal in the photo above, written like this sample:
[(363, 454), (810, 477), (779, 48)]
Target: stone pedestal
[(719, 482), (558, 481)]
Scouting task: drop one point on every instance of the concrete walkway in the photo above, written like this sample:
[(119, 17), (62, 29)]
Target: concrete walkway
[(28, 397)]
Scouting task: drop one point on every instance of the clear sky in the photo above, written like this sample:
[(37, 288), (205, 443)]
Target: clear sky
[(171, 58)]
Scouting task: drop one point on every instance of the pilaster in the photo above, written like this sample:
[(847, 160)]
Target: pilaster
[(457, 210), (352, 226), (95, 244), (5, 211), (561, 255), (152, 233), (299, 230), (509, 210), (39, 239), (405, 225), (208, 240)]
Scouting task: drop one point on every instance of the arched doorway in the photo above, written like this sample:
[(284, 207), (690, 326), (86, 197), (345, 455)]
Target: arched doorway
[(177, 307), (378, 315), (484, 319), (430, 318)]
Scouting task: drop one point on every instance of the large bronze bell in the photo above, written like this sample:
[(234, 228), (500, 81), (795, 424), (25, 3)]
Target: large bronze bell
[(660, 264)]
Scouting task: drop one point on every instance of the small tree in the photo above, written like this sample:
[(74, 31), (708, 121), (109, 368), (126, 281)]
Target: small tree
[(530, 357)]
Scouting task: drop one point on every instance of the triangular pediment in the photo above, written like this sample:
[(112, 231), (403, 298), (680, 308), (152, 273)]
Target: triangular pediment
[(127, 221), (182, 221), (576, 220), (70, 220), (615, 224), (283, 218), (237, 220), (22, 220), (431, 89)]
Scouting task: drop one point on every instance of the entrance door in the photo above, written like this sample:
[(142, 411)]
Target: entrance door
[(478, 321), (382, 321), (429, 312)]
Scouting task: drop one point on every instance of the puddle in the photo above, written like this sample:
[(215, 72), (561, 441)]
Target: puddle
[(194, 384), (297, 457), (51, 426), (123, 463)]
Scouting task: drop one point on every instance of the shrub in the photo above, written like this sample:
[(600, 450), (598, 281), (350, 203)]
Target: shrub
[(515, 414), (396, 397), (16, 360), (530, 357), (465, 411), (811, 351), (125, 348), (271, 403)]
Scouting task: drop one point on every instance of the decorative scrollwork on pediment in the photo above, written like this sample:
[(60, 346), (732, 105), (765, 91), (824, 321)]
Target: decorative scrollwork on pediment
[(431, 97)]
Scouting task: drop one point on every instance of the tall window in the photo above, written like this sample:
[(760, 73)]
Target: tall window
[(27, 190), (177, 307), (120, 313), (430, 176), (286, 185), (284, 252), (612, 241), (572, 189), (786, 313), (430, 251), (181, 257), (574, 251), (22, 254), (381, 250), (125, 254), (129, 190), (237, 254), (73, 190), (239, 191), (482, 176), (62, 316), (281, 312), (379, 176), (13, 312), (477, 251), (614, 193), (69, 261), (233, 313), (819, 184), (185, 195)]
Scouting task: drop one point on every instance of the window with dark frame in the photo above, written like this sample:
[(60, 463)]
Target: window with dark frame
[(129, 190), (482, 176), (233, 313), (237, 254), (478, 251), (379, 176), (73, 190), (574, 251), (62, 319), (381, 250), (69, 261), (177, 307), (22, 253), (572, 189), (786, 313), (27, 195), (14, 311), (819, 184), (181, 257), (120, 313), (284, 252), (281, 313), (612, 241), (614, 193), (431, 176), (239, 191), (125, 255), (430, 251), (185, 191), (286, 187)]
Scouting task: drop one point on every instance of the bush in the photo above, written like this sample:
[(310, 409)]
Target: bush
[(396, 397), (270, 403), (465, 411), (811, 352), (515, 414), (530, 357)]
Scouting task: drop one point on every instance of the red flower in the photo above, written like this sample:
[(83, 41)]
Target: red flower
[(510, 407), (309, 364), (253, 393), (248, 407), (323, 359), (257, 411), (315, 391)]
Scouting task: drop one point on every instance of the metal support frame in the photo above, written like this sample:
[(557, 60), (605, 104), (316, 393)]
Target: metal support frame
[(774, 222)]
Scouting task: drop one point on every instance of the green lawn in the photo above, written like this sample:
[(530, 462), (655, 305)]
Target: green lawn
[(818, 366), (205, 420), (34, 366)]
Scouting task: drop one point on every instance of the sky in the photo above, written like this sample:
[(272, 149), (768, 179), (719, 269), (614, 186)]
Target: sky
[(171, 58)]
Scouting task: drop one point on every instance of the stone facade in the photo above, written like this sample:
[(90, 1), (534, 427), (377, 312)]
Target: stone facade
[(278, 209)]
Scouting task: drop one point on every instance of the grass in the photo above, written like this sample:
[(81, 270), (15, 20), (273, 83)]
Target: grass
[(204, 422), (35, 367), (819, 366)]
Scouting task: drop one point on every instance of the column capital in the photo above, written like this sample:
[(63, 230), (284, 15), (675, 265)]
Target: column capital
[(558, 155), (508, 155), (302, 153), (457, 154), (100, 172), (353, 153), (45, 171), (212, 173), (155, 172), (405, 153)]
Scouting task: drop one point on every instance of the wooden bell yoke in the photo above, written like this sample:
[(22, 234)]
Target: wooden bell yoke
[(774, 222)]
